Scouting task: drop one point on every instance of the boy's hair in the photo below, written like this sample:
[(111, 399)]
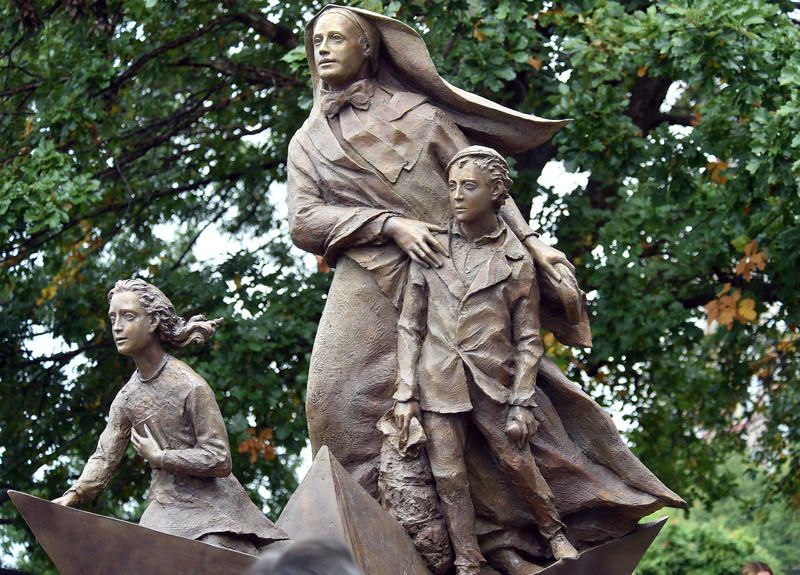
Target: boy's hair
[(491, 163)]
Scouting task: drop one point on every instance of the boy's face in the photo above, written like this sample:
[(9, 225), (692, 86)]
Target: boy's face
[(133, 329), (471, 192)]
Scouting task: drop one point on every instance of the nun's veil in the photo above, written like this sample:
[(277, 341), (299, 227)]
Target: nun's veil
[(400, 59)]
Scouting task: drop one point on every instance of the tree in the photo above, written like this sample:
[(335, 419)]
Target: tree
[(742, 527), (119, 118), (122, 119), (690, 547)]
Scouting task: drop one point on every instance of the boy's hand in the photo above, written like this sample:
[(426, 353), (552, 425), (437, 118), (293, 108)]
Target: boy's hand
[(404, 412), (147, 447), (521, 425), (547, 257), (416, 239)]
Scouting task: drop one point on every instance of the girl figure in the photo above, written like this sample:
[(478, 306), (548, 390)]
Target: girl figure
[(170, 415)]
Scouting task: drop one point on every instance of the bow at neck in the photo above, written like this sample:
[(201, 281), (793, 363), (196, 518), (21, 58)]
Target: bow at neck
[(371, 135), (357, 95)]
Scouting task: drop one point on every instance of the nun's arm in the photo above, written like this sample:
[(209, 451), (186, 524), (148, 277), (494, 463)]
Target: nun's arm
[(322, 228)]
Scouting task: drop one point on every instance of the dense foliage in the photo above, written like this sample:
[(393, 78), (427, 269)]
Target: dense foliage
[(129, 128), (690, 547), (735, 530)]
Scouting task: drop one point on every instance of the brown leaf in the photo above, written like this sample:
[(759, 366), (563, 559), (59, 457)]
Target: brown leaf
[(535, 63), (549, 341), (726, 317), (715, 170), (28, 126), (258, 444), (322, 266), (723, 310), (712, 311), (725, 289), (746, 311), (476, 32), (753, 260)]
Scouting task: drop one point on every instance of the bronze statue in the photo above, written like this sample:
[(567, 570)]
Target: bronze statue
[(468, 352), (368, 191), (170, 415)]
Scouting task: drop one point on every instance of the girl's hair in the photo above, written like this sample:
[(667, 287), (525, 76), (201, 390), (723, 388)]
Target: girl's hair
[(172, 329)]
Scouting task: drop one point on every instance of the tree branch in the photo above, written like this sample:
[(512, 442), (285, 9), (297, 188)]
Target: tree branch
[(29, 87), (678, 119), (139, 62), (253, 74), (215, 218), (26, 248), (281, 35), (176, 123), (65, 357), (646, 97)]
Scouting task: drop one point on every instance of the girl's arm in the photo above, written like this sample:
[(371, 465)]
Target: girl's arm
[(111, 448), (211, 456)]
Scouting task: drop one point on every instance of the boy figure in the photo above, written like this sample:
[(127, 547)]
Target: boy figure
[(469, 351)]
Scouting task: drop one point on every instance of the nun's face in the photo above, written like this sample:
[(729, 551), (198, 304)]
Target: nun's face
[(339, 54)]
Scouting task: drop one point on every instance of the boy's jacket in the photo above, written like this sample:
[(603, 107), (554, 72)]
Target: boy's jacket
[(489, 326)]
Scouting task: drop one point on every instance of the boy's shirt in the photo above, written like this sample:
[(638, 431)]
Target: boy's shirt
[(479, 311)]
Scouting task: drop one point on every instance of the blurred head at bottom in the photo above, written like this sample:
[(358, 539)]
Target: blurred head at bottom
[(308, 557)]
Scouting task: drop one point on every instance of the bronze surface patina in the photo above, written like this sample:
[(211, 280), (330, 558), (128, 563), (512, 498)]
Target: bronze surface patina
[(82, 543), (468, 352), (170, 415), (368, 191), (329, 504)]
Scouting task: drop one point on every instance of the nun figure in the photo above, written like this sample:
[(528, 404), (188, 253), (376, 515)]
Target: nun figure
[(367, 191)]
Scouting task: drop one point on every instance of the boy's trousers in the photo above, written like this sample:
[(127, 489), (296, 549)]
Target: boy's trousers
[(445, 447)]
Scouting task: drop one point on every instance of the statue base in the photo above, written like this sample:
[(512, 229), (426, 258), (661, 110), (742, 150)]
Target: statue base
[(328, 504), (83, 543), (617, 557)]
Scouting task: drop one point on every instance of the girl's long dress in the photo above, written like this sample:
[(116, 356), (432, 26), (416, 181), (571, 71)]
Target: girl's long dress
[(194, 494)]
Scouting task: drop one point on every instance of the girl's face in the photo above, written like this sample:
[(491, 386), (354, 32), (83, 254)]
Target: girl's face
[(133, 329)]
